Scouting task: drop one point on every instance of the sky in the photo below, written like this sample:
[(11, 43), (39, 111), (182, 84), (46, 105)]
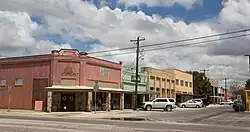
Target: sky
[(30, 27)]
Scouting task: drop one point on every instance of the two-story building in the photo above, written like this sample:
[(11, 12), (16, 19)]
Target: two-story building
[(183, 84), (160, 83), (215, 98), (128, 80), (60, 81)]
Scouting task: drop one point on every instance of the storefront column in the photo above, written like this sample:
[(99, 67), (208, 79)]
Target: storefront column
[(89, 100), (121, 101), (49, 101), (108, 102)]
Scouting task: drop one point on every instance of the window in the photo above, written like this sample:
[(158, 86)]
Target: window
[(172, 81), (182, 82), (177, 81), (163, 79), (190, 84), (168, 80), (171, 100), (161, 100), (151, 88), (2, 82), (186, 84), (19, 81), (152, 77)]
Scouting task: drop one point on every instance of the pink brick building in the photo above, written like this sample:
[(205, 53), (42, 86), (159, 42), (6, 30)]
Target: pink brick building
[(62, 80)]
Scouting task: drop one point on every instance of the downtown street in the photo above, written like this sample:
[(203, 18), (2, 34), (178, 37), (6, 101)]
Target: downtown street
[(210, 119)]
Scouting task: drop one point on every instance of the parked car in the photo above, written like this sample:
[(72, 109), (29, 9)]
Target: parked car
[(227, 102), (191, 104), (199, 100), (167, 104)]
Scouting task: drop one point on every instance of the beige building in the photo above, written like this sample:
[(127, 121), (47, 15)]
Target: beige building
[(183, 84), (160, 82)]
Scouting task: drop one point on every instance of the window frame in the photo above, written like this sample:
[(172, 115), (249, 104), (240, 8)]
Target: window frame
[(3, 85), (16, 84)]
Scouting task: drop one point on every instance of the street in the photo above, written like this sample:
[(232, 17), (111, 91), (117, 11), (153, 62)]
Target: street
[(217, 119)]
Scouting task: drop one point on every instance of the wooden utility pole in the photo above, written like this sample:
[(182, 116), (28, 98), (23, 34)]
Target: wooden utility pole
[(204, 71), (137, 65)]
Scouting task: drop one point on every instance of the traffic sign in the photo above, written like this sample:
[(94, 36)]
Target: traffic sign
[(239, 97), (9, 89), (96, 86)]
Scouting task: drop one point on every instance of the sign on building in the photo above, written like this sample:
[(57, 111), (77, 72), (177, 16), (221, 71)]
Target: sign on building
[(104, 71), (133, 78)]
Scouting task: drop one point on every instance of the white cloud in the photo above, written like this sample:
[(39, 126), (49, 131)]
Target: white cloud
[(115, 28), (188, 4), (16, 36)]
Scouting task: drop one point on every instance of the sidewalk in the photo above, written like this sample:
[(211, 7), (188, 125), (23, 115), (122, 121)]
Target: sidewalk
[(85, 115)]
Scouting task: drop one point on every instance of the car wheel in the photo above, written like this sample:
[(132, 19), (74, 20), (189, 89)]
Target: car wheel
[(197, 106), (169, 108), (148, 108), (183, 106)]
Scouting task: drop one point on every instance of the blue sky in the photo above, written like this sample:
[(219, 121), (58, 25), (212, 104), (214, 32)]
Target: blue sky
[(208, 9)]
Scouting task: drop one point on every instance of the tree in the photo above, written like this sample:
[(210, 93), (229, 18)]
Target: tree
[(201, 85), (247, 84), (236, 89)]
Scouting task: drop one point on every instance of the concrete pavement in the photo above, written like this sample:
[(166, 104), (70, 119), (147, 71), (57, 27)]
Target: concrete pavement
[(21, 125)]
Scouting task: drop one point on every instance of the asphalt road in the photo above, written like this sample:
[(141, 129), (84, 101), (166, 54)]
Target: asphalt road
[(221, 119), (20, 125)]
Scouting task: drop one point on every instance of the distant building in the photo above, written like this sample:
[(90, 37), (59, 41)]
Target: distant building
[(62, 81), (183, 84), (160, 83), (128, 80), (215, 97)]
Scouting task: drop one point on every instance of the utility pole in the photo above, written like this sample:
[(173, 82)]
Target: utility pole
[(137, 65), (225, 79), (248, 62), (204, 71)]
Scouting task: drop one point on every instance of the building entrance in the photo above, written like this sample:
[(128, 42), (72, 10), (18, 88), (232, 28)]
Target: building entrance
[(67, 102)]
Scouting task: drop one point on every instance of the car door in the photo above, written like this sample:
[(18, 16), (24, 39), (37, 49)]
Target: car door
[(160, 103), (191, 104)]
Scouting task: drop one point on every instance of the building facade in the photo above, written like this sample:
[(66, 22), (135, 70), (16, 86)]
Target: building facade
[(60, 81), (215, 98), (128, 80), (160, 83), (183, 84)]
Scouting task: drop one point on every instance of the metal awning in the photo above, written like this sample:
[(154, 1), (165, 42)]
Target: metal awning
[(82, 88)]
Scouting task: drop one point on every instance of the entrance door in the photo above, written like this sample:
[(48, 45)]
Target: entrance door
[(68, 102)]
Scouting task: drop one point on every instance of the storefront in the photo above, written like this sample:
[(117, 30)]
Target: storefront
[(82, 98)]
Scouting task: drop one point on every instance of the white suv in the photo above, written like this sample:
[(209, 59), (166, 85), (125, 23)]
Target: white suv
[(160, 103)]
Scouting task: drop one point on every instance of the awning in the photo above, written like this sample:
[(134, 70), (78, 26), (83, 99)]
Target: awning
[(82, 88)]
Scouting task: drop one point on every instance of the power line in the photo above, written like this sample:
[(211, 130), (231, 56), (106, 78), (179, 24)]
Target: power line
[(181, 45), (171, 42)]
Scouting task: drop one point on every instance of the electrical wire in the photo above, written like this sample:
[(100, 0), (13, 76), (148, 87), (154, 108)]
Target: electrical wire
[(171, 42), (182, 45)]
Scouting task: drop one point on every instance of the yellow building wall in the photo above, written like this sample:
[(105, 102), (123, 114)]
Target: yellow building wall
[(160, 81), (183, 81)]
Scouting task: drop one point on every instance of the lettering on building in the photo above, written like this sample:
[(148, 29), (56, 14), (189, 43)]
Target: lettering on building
[(68, 71), (104, 71), (133, 78)]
